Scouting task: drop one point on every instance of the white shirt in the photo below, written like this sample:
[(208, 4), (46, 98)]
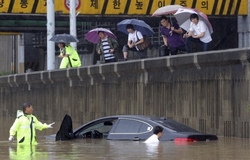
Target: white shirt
[(201, 27), (152, 139), (134, 37)]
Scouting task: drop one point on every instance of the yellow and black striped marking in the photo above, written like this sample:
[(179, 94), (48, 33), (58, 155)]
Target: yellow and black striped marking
[(126, 7)]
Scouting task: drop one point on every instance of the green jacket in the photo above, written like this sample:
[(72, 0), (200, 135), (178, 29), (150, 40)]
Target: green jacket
[(73, 57), (113, 45), (25, 127)]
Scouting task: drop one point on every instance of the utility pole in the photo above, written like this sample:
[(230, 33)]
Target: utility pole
[(73, 21), (50, 33)]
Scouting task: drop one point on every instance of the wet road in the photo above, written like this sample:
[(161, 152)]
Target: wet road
[(101, 149)]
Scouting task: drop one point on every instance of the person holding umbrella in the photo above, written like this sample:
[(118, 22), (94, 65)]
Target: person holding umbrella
[(134, 38), (106, 47), (198, 32), (172, 38), (69, 55)]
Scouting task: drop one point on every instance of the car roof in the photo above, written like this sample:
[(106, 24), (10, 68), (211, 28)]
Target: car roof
[(131, 116), (162, 121), (142, 117)]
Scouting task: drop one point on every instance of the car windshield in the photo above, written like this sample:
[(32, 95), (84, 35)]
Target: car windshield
[(175, 126)]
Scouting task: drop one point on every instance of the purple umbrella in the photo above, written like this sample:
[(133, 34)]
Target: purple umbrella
[(93, 36)]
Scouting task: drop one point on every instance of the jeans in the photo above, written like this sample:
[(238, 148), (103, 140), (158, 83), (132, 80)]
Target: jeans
[(196, 40)]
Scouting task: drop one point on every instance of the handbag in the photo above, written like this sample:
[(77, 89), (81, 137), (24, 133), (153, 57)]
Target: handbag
[(146, 42)]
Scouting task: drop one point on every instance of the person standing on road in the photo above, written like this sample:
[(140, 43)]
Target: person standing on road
[(25, 126), (69, 55), (172, 38), (158, 131), (198, 32)]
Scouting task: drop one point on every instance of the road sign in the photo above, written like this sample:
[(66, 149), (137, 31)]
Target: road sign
[(125, 7), (67, 4)]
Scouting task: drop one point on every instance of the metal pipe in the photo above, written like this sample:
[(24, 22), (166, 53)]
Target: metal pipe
[(73, 21), (50, 33), (13, 55), (20, 55)]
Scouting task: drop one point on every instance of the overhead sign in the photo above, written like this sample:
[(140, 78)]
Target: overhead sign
[(125, 7)]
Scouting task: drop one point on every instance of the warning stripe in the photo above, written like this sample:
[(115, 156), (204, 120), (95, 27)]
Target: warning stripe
[(34, 6), (104, 7), (149, 7), (11, 6), (230, 6), (214, 7), (194, 3), (127, 7), (222, 7), (172, 2), (237, 7)]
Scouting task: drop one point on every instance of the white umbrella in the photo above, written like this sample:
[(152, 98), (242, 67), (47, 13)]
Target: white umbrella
[(183, 17), (169, 9)]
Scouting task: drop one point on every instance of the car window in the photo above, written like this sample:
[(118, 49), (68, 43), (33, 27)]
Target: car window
[(102, 127), (175, 126), (132, 126)]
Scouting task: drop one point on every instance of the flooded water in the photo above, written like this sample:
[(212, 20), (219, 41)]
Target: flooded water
[(101, 149)]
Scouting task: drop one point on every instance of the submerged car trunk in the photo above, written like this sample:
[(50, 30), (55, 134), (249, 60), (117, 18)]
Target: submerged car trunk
[(187, 136)]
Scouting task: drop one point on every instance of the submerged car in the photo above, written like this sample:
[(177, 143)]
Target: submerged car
[(131, 127)]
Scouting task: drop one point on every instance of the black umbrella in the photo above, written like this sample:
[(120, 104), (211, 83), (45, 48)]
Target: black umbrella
[(64, 38)]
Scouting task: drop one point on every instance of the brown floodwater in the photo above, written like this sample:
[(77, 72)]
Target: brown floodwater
[(101, 149)]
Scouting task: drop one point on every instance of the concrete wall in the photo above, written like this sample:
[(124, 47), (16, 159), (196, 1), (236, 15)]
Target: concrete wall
[(208, 91)]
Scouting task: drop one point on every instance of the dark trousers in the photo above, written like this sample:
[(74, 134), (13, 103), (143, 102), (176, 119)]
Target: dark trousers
[(165, 50), (110, 60), (196, 40)]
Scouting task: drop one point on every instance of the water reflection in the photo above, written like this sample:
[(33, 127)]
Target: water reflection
[(153, 150), (24, 152)]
